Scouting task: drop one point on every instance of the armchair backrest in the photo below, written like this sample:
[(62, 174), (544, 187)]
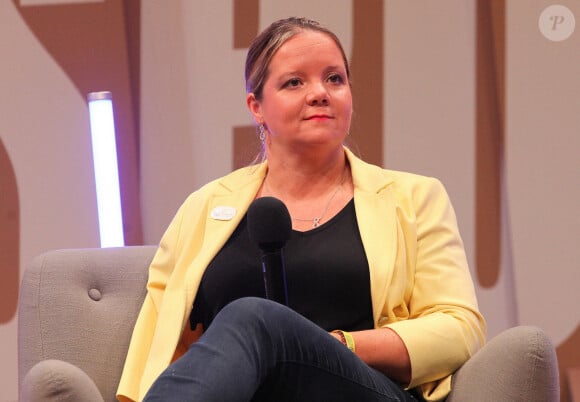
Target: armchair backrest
[(80, 306)]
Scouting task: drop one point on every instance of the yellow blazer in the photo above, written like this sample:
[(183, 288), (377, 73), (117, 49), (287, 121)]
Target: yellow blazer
[(421, 286)]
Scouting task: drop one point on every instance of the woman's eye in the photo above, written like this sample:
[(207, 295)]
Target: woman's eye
[(336, 79), (294, 82)]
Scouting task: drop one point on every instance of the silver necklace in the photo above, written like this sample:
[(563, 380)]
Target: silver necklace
[(317, 219)]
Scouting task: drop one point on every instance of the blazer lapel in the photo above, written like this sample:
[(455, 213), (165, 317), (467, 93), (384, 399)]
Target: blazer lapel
[(376, 216), (226, 208)]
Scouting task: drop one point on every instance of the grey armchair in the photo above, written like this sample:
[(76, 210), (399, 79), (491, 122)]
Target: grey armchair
[(78, 307)]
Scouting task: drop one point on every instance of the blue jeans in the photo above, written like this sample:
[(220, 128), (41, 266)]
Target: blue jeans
[(258, 350)]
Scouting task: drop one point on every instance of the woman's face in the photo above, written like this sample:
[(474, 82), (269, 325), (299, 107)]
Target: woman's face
[(306, 98)]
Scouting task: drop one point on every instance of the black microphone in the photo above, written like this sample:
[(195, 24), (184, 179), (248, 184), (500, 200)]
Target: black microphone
[(269, 226)]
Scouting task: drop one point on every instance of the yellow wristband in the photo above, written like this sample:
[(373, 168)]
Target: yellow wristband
[(346, 338)]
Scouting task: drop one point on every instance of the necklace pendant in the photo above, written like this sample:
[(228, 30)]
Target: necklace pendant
[(315, 222)]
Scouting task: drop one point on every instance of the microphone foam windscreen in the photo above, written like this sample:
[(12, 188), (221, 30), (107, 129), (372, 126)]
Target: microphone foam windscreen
[(269, 223)]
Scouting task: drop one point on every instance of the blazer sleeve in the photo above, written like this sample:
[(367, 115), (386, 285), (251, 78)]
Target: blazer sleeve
[(444, 327), (159, 272)]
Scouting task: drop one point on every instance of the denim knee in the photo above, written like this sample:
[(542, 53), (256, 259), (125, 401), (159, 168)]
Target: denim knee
[(248, 309), (256, 318)]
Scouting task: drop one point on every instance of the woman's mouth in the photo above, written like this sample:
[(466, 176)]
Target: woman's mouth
[(319, 117)]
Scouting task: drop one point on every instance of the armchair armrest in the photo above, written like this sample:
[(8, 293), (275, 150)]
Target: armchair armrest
[(517, 365), (55, 380)]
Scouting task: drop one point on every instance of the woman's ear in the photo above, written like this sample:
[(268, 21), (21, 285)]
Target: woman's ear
[(255, 108)]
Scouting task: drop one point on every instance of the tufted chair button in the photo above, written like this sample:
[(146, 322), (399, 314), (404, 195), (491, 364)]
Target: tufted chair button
[(95, 294)]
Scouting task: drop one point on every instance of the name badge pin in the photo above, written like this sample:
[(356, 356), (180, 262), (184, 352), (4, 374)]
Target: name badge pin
[(223, 213)]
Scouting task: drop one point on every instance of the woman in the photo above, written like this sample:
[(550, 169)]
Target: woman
[(382, 303)]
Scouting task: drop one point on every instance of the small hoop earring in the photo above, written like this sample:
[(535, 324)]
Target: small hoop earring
[(261, 133)]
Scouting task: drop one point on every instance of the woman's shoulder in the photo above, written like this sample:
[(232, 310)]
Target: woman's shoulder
[(375, 178), (227, 184)]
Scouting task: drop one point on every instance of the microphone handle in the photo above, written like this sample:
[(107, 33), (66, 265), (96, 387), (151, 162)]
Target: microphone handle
[(274, 273)]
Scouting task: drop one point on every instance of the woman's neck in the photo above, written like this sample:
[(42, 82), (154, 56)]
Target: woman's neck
[(299, 176), (314, 190)]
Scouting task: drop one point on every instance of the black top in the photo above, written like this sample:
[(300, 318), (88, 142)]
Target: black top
[(326, 270)]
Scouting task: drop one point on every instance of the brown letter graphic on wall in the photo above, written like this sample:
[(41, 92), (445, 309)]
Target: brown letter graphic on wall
[(246, 26), (368, 83), (9, 237), (246, 22), (97, 59), (489, 138), (568, 357)]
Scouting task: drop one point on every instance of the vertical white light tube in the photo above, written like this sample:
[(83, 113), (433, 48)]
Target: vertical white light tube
[(106, 169)]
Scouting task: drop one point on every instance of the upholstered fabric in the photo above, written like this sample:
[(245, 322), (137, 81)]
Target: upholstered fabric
[(78, 308), (518, 365), (58, 380)]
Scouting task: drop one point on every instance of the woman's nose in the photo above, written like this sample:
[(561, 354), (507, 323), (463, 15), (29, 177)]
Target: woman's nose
[(318, 95)]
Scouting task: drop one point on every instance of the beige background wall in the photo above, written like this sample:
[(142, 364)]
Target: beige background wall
[(190, 95)]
